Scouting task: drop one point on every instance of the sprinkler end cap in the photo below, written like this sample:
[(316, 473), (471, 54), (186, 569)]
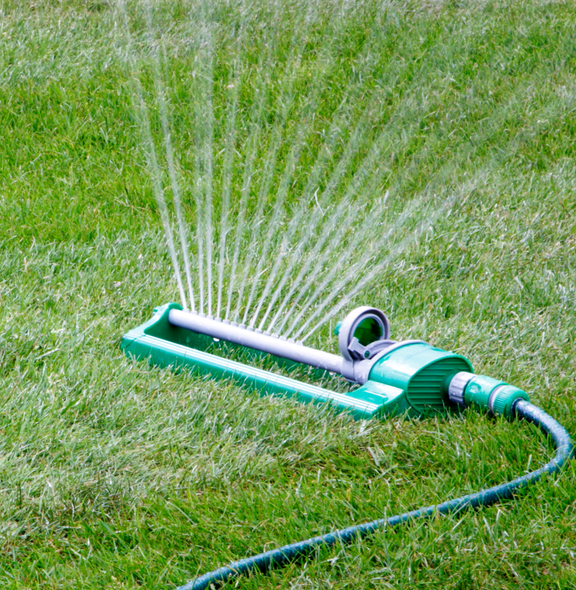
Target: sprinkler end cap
[(364, 328)]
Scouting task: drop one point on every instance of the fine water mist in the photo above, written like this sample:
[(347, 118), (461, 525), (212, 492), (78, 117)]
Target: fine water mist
[(286, 206)]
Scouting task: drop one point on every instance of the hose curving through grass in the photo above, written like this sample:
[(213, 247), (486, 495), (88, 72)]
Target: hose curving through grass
[(281, 557)]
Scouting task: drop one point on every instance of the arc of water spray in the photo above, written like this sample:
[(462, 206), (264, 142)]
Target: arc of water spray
[(335, 220), (204, 164), (256, 226), (341, 167), (160, 97), (353, 188), (310, 227), (287, 99), (143, 121), (340, 170), (318, 168), (342, 225), (353, 246), (288, 271), (227, 183), (246, 182), (354, 271), (302, 132), (375, 153), (296, 254), (303, 129), (382, 262), (271, 227), (264, 77)]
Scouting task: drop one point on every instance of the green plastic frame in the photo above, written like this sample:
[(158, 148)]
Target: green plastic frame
[(165, 345)]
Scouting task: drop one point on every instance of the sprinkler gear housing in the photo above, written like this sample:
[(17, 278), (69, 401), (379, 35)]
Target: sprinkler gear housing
[(394, 377)]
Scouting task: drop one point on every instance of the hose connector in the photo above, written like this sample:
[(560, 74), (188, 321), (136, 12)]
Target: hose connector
[(467, 389)]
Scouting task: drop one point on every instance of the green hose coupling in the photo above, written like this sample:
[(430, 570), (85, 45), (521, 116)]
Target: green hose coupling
[(467, 389)]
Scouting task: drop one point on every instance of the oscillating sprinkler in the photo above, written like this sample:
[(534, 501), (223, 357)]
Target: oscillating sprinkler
[(394, 377), (409, 377)]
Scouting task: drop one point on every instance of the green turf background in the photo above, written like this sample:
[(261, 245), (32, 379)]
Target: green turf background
[(114, 475)]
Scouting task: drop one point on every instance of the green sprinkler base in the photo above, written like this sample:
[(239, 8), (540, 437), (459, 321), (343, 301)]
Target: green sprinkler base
[(165, 345)]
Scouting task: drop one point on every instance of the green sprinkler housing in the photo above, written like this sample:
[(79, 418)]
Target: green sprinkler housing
[(408, 377)]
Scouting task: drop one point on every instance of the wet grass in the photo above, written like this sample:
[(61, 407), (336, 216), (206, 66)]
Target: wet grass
[(115, 475)]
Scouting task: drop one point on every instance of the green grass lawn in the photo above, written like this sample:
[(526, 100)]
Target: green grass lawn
[(116, 475)]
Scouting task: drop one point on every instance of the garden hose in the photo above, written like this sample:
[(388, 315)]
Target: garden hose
[(283, 556)]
